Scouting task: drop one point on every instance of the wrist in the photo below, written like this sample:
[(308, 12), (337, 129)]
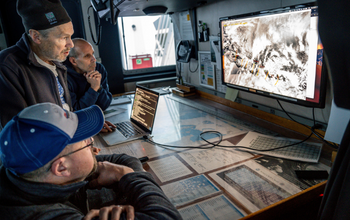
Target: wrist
[(118, 170), (112, 170), (96, 88)]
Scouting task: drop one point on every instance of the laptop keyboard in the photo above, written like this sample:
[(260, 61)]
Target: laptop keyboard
[(128, 129)]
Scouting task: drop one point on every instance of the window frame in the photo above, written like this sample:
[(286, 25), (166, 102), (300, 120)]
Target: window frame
[(157, 72)]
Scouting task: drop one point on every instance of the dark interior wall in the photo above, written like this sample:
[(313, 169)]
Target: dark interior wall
[(109, 50), (11, 22), (73, 8)]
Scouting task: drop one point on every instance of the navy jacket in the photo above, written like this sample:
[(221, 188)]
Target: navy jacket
[(82, 94), (24, 82), (24, 200)]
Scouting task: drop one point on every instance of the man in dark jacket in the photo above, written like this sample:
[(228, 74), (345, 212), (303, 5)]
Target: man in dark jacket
[(30, 71), (47, 157), (87, 80)]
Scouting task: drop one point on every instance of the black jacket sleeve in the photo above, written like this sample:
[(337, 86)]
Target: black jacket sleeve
[(122, 159), (140, 190), (147, 198)]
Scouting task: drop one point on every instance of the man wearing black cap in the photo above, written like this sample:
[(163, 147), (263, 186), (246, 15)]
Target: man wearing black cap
[(30, 71), (47, 157)]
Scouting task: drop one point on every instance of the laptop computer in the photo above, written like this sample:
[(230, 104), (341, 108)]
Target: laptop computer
[(143, 113)]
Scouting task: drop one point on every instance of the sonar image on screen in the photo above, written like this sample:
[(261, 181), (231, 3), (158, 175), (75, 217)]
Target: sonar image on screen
[(274, 53)]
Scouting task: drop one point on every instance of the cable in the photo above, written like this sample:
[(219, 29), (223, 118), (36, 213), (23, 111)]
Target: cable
[(216, 144), (215, 132), (180, 80), (189, 67), (168, 146), (318, 135), (98, 28)]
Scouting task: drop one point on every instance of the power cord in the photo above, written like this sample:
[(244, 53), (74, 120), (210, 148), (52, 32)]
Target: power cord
[(216, 143), (189, 67), (145, 137), (316, 126)]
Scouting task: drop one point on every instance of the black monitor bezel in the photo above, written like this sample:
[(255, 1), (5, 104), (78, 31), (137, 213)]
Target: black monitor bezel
[(324, 74)]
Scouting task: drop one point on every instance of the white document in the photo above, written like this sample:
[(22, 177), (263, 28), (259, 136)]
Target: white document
[(186, 30), (205, 160), (190, 189), (169, 168), (206, 70), (155, 151), (338, 120), (253, 185), (182, 25), (215, 208)]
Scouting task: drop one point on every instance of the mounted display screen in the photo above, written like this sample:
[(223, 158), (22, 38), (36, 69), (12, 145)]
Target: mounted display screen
[(275, 53)]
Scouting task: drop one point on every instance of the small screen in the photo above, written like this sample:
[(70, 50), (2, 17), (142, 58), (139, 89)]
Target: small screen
[(144, 107), (275, 53)]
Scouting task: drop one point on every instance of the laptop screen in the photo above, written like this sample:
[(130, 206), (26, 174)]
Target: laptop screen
[(144, 107)]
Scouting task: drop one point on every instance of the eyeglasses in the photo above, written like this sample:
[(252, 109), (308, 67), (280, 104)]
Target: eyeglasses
[(89, 145)]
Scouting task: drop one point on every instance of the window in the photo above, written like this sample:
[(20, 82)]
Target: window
[(147, 44)]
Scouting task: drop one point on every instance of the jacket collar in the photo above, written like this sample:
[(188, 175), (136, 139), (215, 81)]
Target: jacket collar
[(71, 71), (38, 192)]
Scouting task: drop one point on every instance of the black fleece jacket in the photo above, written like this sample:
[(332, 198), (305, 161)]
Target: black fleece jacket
[(82, 94), (24, 200), (24, 82)]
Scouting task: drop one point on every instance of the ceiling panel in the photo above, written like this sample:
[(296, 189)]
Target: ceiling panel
[(135, 7)]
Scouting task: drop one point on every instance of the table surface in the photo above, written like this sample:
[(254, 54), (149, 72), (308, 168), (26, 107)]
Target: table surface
[(217, 182)]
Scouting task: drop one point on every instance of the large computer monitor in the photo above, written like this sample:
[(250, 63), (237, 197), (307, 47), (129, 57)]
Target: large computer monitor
[(275, 53)]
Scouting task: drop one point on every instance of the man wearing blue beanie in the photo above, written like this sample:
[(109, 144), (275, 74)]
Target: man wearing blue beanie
[(48, 163)]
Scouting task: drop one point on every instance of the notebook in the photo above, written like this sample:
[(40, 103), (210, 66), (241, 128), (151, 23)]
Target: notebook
[(141, 120)]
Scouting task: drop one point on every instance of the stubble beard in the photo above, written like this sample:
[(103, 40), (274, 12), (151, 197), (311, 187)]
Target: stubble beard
[(46, 51), (94, 168), (62, 59)]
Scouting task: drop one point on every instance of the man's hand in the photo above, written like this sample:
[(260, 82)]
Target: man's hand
[(108, 127), (114, 211), (107, 174), (96, 150), (94, 78)]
